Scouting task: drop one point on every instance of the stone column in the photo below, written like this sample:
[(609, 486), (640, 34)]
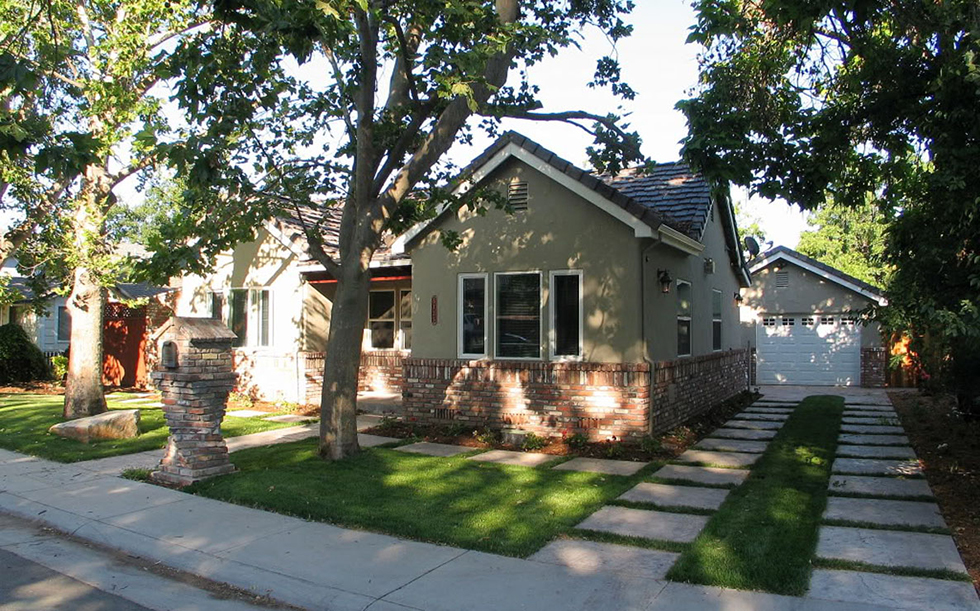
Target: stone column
[(195, 374)]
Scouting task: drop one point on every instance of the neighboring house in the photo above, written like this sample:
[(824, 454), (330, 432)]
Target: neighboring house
[(803, 319), (602, 305)]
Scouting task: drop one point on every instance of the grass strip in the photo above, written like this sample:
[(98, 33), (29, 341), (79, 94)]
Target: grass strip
[(933, 530), (902, 571), (604, 537), (764, 535)]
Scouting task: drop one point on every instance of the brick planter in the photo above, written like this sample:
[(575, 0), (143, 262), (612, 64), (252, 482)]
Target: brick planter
[(381, 371), (595, 399), (685, 388)]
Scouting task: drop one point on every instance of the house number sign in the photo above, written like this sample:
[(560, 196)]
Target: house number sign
[(435, 310)]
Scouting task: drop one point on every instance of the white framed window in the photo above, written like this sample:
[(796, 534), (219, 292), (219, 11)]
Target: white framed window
[(247, 312), (684, 309), (565, 313), (517, 315), (769, 321), (788, 322), (826, 320), (807, 321), (472, 312), (381, 319), (64, 324), (405, 318), (715, 320)]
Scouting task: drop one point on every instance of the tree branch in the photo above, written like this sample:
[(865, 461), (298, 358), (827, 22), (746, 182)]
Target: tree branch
[(568, 116), (402, 82)]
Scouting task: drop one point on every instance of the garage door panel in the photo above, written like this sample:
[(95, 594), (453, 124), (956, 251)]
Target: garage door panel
[(818, 354)]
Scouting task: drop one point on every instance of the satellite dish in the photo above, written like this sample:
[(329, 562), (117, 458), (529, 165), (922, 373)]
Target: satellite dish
[(752, 246)]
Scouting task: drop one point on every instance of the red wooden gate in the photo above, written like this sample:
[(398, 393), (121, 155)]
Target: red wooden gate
[(124, 345)]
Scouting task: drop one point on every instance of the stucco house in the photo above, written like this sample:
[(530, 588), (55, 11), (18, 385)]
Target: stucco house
[(605, 305), (803, 320)]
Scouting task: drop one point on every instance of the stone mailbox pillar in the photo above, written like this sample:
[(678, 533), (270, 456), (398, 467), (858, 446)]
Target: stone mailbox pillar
[(195, 375)]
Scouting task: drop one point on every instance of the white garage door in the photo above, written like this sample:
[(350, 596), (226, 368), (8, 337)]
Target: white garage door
[(807, 349)]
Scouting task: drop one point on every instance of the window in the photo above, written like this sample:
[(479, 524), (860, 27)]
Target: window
[(769, 321), (247, 312), (64, 324), (405, 318), (715, 319), (518, 315), (848, 321), (472, 319), (807, 321), (381, 319), (826, 320), (217, 306), (566, 314), (789, 322), (684, 309)]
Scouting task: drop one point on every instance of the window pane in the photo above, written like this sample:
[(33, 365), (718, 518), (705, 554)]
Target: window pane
[(568, 313), (406, 336), (405, 305), (683, 337), (64, 324), (383, 334), (716, 335), (263, 300), (473, 308), (716, 304), (519, 316), (382, 305), (238, 315), (683, 298)]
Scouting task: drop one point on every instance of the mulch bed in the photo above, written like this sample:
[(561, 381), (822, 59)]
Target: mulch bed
[(949, 448), (662, 447)]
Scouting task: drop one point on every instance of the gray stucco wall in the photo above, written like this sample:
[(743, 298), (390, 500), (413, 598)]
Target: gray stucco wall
[(559, 231), (807, 293)]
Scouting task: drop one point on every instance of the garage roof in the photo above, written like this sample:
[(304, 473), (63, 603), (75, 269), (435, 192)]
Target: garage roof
[(821, 269)]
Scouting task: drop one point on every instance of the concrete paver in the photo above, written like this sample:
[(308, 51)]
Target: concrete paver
[(898, 592), (658, 525), (874, 440), (862, 407), (718, 459), (268, 438), (292, 418), (884, 512), (852, 451), (730, 433), (732, 445), (245, 413), (103, 497), (880, 486), (747, 415), (433, 449), (666, 495), (601, 465), (761, 409), (369, 441), (876, 466), (591, 557), (871, 429), (506, 457), (702, 475), (883, 420), (889, 548), (756, 425)]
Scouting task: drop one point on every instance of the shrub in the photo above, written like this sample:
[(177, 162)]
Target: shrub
[(533, 442), (487, 436), (59, 365), (577, 441), (20, 359), (242, 399), (456, 429), (651, 445)]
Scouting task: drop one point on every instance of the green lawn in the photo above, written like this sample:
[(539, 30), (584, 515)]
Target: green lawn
[(494, 508), (25, 419), (764, 536)]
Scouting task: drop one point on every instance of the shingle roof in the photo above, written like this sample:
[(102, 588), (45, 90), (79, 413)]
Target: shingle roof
[(757, 263), (329, 221), (140, 290), (673, 190)]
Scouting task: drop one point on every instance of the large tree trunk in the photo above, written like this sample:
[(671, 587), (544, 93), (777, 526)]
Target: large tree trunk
[(338, 401)]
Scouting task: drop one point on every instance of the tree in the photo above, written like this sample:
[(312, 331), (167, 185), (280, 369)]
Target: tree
[(852, 239), (303, 105), (79, 116), (749, 226), (875, 100)]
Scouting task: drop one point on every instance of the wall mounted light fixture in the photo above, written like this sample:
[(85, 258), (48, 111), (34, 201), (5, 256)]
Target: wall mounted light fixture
[(663, 276)]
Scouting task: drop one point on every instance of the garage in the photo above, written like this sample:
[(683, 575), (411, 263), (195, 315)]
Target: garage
[(823, 350)]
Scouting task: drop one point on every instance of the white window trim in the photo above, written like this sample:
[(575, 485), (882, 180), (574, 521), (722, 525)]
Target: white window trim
[(721, 329), (396, 329), (540, 356), (252, 318), (487, 297), (689, 318), (255, 296), (552, 336), (399, 337)]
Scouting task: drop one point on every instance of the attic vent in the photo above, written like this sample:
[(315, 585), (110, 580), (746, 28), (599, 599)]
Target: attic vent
[(517, 195), (782, 280)]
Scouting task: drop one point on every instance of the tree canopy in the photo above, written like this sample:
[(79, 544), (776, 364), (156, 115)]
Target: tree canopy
[(852, 239)]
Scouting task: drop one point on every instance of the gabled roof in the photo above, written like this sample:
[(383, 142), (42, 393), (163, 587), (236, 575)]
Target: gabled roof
[(674, 191), (783, 253)]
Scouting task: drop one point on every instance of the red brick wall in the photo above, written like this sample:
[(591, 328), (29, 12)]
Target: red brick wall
[(595, 399), (685, 388), (874, 367), (381, 371)]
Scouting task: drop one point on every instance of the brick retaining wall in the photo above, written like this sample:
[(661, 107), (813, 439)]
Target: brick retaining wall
[(685, 388), (595, 399), (874, 367), (381, 371)]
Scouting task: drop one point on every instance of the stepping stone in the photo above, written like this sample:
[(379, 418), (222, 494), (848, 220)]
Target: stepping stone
[(889, 548), (867, 429), (784, 411), (868, 408), (290, 418), (871, 421), (666, 495), (875, 451), (702, 475), (730, 433), (764, 417), (776, 404), (732, 445), (591, 557), (246, 413), (879, 486), (718, 459), (506, 457), (893, 591), (874, 415), (758, 425), (433, 449), (873, 440), (659, 525), (601, 465), (883, 512), (369, 441), (876, 466)]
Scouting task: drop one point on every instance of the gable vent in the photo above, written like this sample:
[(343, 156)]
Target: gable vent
[(782, 280), (517, 195)]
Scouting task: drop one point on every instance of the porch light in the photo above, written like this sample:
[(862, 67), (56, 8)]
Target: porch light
[(665, 279), (738, 298)]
